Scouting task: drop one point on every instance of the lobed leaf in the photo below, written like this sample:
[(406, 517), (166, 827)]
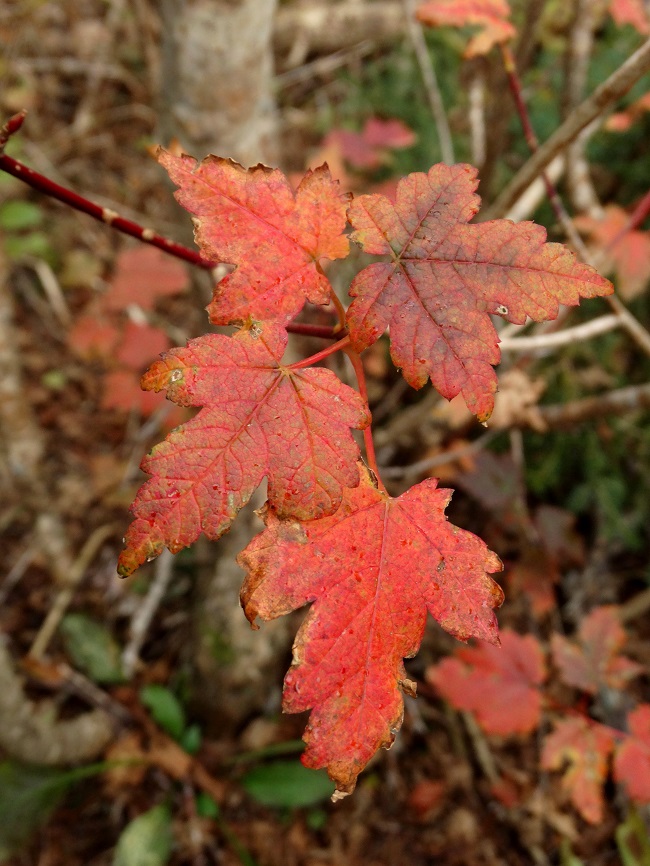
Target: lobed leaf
[(490, 15), (632, 759), (372, 570), (252, 219), (447, 277), (585, 746), (595, 660), (258, 419), (500, 685)]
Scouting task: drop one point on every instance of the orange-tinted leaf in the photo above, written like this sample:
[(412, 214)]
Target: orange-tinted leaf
[(594, 661), (585, 746), (93, 335), (632, 759), (630, 12), (621, 121), (500, 685), (446, 277), (121, 391), (144, 274), (629, 257), (372, 570), (252, 219), (490, 15), (367, 149), (139, 344), (259, 418)]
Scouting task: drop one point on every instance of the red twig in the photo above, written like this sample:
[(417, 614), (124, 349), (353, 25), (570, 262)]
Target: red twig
[(637, 216), (355, 360), (533, 144), (308, 330), (320, 356), (103, 214)]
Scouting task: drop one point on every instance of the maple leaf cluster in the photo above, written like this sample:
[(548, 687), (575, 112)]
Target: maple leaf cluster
[(370, 565), (503, 689)]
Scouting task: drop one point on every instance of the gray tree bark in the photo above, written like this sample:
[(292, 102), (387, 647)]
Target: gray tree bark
[(217, 78)]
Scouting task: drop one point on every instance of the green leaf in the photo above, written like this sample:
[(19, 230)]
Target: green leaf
[(20, 215), (34, 244), (287, 785), (28, 795), (92, 648), (146, 841), (206, 807), (165, 708), (191, 739)]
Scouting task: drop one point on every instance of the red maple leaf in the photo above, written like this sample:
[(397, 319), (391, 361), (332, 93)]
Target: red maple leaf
[(500, 685), (490, 15), (585, 746), (139, 344), (252, 219), (628, 256), (259, 418), (594, 661), (142, 275), (372, 570), (630, 12), (446, 277), (367, 149), (632, 759)]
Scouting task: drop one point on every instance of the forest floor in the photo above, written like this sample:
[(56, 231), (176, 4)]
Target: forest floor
[(445, 793)]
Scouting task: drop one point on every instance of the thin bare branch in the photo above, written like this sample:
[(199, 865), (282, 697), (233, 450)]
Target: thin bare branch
[(608, 93), (145, 612), (601, 325), (428, 72)]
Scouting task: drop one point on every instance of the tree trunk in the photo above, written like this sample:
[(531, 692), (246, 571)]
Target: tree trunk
[(217, 76), (216, 97)]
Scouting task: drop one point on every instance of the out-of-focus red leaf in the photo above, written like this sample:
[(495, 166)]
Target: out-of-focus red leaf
[(258, 418), (490, 15), (139, 344), (557, 532), (629, 257), (142, 276), (121, 391), (534, 575), (372, 570), (585, 746), (540, 565), (368, 149), (500, 685), (252, 219), (621, 121), (632, 759), (446, 277), (391, 134), (632, 12), (594, 661), (425, 797), (93, 335)]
